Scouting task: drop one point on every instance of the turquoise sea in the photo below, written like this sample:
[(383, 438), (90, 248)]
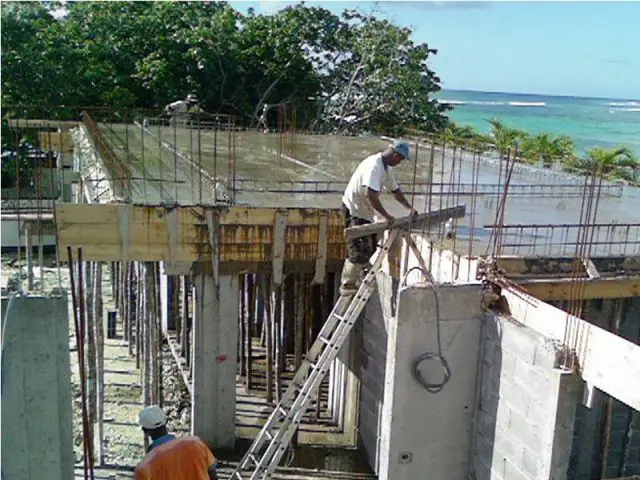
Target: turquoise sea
[(605, 122)]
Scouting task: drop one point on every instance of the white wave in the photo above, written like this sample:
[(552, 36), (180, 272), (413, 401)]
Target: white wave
[(633, 109), (528, 104), (625, 104), (469, 102)]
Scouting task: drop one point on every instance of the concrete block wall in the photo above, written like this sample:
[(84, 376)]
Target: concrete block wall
[(606, 441), (37, 437), (526, 406), (375, 319)]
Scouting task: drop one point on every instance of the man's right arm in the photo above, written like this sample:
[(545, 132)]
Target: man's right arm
[(374, 200)]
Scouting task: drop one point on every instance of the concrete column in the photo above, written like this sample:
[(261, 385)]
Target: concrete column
[(167, 299), (37, 437), (424, 431), (214, 356)]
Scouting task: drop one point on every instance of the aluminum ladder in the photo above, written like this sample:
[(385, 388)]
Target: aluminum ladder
[(287, 415)]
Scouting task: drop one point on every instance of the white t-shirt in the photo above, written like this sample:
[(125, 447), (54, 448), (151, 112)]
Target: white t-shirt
[(371, 173)]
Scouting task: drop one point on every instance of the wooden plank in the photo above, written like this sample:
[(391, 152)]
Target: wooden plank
[(68, 213), (607, 361), (41, 123), (321, 261), (415, 222), (56, 141), (565, 288), (280, 229)]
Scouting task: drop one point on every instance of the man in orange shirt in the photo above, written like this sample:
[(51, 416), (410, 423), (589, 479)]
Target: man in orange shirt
[(171, 458)]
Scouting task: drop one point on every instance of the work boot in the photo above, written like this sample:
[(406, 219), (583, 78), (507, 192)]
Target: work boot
[(350, 278)]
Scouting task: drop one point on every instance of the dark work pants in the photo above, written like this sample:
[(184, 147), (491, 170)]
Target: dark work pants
[(359, 250)]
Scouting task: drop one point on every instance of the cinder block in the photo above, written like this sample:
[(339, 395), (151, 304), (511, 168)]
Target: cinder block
[(519, 341), (515, 396), (512, 472), (505, 445), (530, 463), (529, 434), (535, 380), (508, 363), (547, 354), (537, 413)]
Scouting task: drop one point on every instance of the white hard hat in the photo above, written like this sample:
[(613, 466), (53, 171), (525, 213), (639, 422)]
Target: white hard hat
[(152, 417), (192, 97)]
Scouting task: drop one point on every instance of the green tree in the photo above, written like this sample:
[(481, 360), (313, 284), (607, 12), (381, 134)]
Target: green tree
[(611, 163), (506, 138), (380, 80), (548, 149), (465, 136)]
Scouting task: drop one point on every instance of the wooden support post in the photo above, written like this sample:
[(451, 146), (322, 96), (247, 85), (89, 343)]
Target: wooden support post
[(91, 341), (300, 320), (249, 329), (267, 322), (277, 333), (99, 340), (138, 313), (126, 304), (242, 360), (147, 334), (184, 334), (279, 244), (132, 304), (288, 292), (29, 256)]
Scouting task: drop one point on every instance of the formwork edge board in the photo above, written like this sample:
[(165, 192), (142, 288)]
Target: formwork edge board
[(568, 288), (70, 214)]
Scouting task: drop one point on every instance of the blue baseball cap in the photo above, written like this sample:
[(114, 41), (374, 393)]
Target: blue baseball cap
[(401, 147)]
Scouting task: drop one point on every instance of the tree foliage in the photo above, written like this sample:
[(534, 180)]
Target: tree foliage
[(344, 73), (548, 149)]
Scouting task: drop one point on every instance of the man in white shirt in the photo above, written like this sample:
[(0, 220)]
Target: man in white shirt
[(361, 203), (179, 109)]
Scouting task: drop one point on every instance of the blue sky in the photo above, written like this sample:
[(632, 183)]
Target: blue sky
[(556, 48)]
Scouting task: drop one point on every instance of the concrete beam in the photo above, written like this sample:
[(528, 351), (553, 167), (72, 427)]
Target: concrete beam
[(606, 361), (215, 333)]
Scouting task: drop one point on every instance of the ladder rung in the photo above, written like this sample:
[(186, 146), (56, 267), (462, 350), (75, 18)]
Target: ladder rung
[(324, 340), (253, 458)]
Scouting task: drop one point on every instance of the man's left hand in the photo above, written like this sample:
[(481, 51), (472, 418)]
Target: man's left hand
[(413, 212)]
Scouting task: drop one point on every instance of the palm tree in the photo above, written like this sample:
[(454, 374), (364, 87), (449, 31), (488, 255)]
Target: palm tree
[(505, 138), (465, 136), (548, 149), (608, 162)]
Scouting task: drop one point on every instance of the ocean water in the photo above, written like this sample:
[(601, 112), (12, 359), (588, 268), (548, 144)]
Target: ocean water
[(591, 122)]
